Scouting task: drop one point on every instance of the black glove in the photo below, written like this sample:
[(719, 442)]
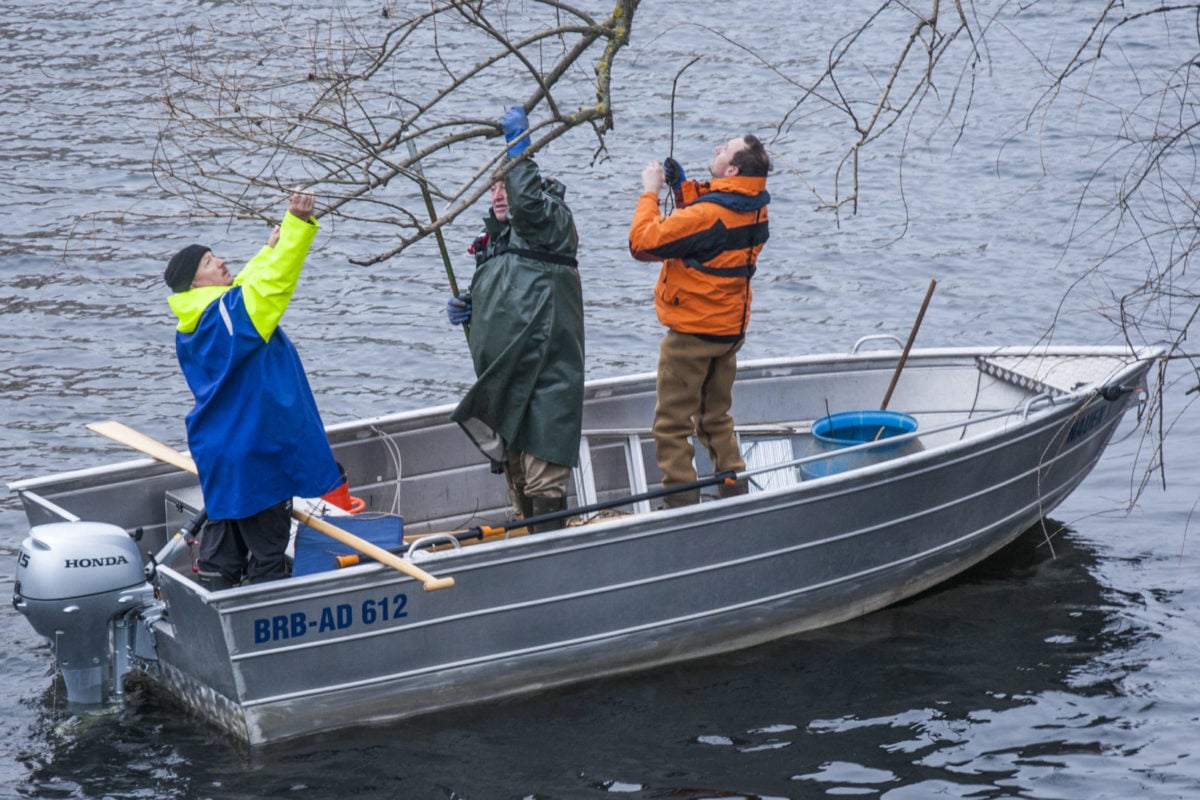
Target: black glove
[(673, 173)]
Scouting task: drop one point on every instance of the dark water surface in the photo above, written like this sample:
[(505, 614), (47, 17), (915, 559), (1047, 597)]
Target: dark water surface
[(1047, 672)]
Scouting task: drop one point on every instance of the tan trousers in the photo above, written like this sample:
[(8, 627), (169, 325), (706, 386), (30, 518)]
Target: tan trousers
[(534, 477), (695, 394)]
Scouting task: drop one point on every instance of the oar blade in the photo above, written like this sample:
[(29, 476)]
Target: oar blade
[(119, 432)]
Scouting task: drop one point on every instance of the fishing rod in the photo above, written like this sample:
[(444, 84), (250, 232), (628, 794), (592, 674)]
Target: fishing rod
[(912, 335), (727, 477), (675, 196), (674, 86), (437, 231)]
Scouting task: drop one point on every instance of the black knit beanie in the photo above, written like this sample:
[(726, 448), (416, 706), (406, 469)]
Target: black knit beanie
[(181, 269)]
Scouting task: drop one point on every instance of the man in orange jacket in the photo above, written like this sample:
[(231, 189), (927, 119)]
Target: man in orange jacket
[(709, 248)]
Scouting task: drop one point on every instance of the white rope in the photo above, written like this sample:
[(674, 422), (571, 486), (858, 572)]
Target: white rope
[(393, 450)]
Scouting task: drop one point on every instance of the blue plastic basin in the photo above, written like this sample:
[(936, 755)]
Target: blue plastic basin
[(833, 432)]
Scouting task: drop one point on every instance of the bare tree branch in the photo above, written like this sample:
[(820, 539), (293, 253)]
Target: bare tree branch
[(334, 106), (1141, 205), (910, 76)]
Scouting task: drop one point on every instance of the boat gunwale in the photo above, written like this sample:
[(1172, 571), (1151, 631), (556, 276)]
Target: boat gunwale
[(809, 486), (916, 360)]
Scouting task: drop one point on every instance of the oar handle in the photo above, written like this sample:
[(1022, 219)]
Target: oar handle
[(374, 551)]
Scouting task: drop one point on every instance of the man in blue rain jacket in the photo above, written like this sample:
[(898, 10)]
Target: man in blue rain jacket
[(255, 433)]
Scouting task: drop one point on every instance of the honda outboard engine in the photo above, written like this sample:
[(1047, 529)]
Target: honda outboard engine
[(77, 584)]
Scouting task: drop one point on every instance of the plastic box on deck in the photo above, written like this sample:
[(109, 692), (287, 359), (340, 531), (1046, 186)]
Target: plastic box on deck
[(316, 552)]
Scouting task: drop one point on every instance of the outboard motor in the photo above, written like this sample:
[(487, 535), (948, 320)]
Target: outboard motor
[(77, 584)]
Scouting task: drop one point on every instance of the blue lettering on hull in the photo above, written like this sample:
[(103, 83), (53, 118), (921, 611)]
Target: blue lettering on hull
[(341, 617)]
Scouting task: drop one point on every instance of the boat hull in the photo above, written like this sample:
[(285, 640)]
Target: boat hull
[(367, 644)]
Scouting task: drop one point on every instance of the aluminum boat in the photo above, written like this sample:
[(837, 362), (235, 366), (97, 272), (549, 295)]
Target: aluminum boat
[(832, 528)]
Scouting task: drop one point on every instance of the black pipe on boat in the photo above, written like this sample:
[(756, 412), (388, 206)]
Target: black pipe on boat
[(724, 476), (480, 531)]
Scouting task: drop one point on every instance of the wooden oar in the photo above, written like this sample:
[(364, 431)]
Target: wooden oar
[(908, 345), (912, 335), (139, 441)]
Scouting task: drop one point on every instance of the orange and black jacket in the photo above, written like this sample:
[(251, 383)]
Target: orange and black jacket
[(709, 247)]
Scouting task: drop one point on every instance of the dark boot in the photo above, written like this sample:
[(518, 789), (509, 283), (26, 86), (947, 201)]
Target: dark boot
[(688, 497), (213, 581), (738, 487), (547, 505)]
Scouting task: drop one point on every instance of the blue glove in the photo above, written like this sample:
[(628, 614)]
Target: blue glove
[(673, 173), (458, 309), (514, 123)]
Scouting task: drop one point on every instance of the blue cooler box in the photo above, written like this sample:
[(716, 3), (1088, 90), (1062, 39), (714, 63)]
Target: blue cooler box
[(316, 552)]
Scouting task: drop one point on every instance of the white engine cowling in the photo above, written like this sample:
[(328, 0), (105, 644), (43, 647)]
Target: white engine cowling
[(76, 583)]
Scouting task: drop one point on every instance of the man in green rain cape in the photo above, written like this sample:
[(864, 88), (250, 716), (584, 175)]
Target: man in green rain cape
[(525, 309)]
